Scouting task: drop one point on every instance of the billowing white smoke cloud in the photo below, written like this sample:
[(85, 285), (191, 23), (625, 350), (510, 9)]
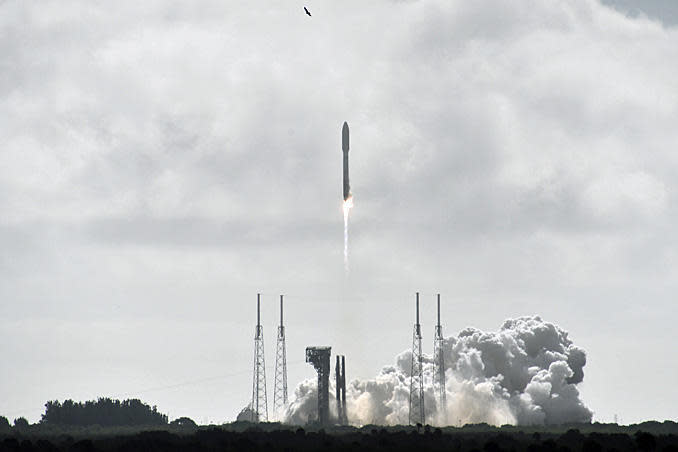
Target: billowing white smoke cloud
[(526, 373)]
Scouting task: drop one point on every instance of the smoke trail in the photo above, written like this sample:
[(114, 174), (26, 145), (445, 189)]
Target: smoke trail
[(525, 373), (348, 204)]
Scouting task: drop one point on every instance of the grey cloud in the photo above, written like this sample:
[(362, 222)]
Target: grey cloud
[(525, 373), (666, 11), (203, 232)]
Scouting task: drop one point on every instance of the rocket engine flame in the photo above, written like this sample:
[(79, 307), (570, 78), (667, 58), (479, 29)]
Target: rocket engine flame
[(348, 204)]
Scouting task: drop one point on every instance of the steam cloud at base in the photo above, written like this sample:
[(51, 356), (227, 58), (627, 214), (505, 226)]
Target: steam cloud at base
[(526, 373)]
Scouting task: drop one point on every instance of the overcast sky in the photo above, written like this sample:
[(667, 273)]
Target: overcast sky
[(161, 162)]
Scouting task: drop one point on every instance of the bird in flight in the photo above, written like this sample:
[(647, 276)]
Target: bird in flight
[(307, 12)]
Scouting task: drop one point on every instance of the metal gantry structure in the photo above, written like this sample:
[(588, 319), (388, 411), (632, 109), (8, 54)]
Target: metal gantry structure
[(417, 414), (319, 357), (280, 388), (439, 368), (259, 405), (340, 374)]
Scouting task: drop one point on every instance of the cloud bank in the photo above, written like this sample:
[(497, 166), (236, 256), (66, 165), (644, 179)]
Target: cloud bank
[(524, 374)]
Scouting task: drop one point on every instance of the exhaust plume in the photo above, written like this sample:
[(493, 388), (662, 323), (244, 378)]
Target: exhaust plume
[(348, 204), (526, 373)]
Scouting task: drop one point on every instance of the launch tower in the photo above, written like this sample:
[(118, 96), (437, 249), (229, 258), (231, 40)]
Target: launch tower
[(280, 388), (439, 366), (319, 357), (417, 415), (259, 405)]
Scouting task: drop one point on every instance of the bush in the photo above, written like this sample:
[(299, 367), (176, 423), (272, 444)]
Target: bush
[(4, 424), (645, 441), (184, 422), (21, 423)]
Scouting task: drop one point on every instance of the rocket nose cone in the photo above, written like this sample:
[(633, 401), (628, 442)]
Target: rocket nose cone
[(344, 137)]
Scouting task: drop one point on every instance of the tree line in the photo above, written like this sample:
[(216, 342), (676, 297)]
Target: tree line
[(104, 412), (20, 423)]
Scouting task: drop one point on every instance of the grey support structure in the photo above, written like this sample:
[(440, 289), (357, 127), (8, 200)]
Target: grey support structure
[(259, 403), (319, 357), (280, 388), (417, 415), (340, 374), (439, 368)]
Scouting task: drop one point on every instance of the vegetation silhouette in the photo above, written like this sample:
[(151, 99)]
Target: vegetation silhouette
[(184, 422), (21, 423), (182, 434), (132, 425), (104, 412), (4, 424)]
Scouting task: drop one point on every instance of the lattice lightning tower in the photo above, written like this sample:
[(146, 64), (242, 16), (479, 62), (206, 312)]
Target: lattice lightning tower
[(417, 415), (280, 388), (259, 404), (439, 367)]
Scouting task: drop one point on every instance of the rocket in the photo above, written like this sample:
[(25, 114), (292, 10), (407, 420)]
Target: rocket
[(344, 148)]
